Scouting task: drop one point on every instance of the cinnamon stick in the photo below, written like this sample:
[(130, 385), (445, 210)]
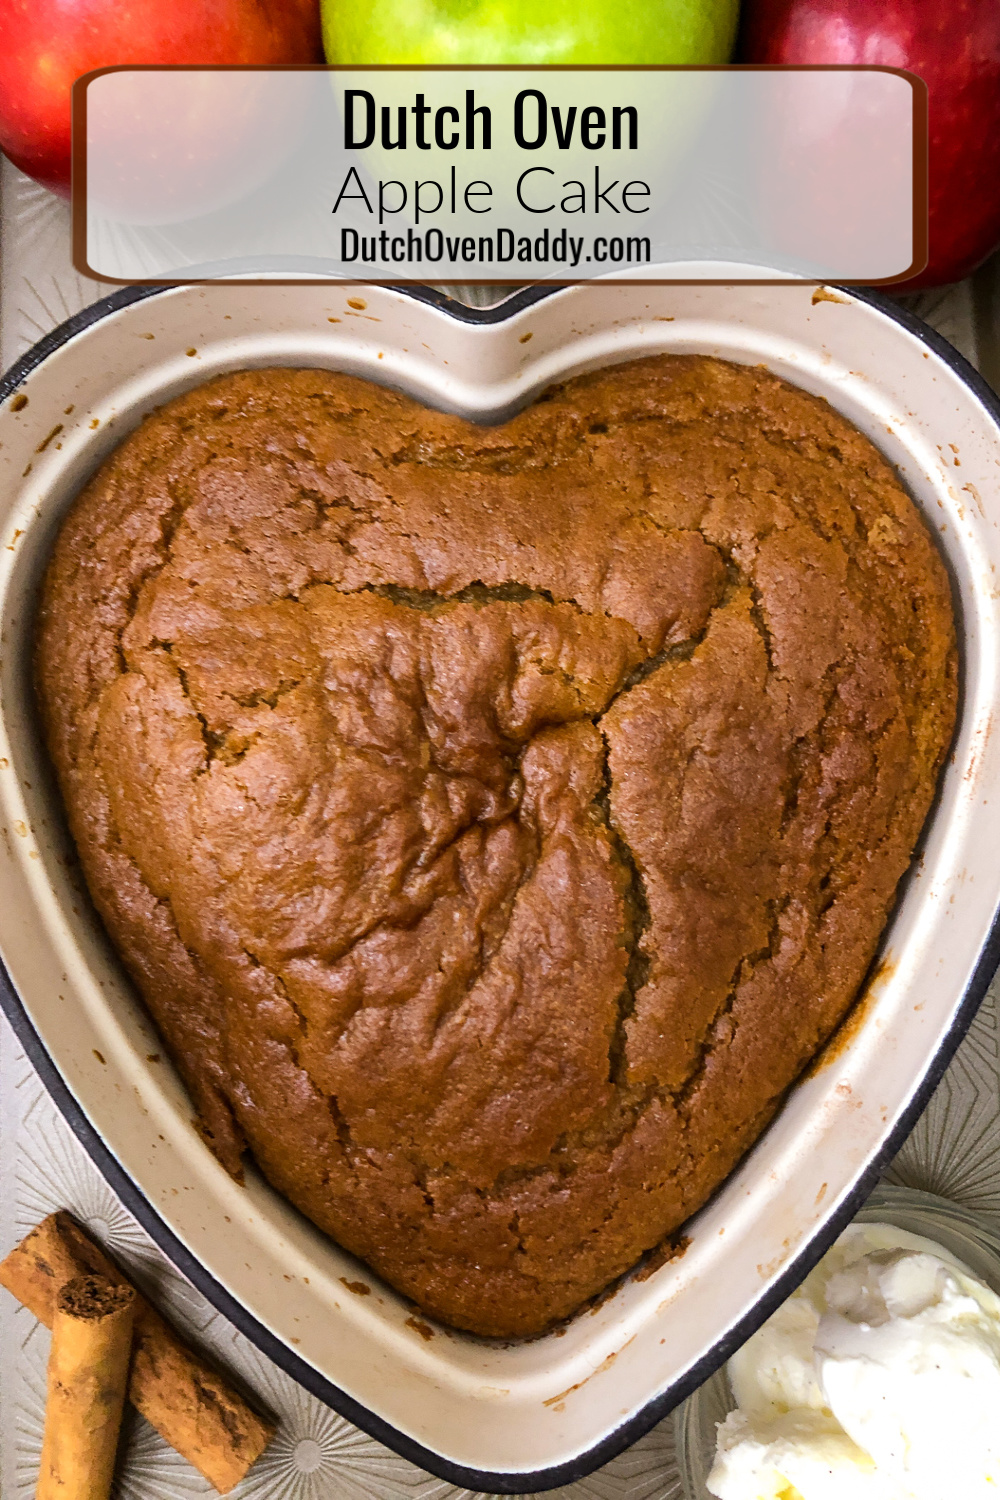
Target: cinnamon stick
[(194, 1408), (87, 1376)]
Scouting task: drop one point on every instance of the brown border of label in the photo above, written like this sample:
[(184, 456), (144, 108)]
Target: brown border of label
[(78, 192)]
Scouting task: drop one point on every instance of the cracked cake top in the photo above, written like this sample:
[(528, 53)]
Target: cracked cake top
[(496, 820)]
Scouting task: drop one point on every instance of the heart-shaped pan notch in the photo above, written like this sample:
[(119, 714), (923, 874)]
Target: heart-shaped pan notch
[(496, 820)]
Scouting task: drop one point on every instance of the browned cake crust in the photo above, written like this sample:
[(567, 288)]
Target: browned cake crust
[(496, 820)]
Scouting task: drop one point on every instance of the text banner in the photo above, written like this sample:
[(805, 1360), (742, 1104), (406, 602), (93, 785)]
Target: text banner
[(492, 175)]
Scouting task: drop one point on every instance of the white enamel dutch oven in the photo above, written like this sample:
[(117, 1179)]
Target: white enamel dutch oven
[(520, 1417)]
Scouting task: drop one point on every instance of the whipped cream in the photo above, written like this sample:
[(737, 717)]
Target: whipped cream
[(878, 1379)]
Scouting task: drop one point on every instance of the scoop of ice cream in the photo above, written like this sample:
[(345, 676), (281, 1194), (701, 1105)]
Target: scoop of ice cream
[(878, 1379)]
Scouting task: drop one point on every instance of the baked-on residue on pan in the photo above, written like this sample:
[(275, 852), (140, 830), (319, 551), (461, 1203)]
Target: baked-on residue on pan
[(496, 820)]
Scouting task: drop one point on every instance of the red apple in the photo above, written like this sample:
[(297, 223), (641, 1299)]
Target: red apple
[(954, 46), (46, 44)]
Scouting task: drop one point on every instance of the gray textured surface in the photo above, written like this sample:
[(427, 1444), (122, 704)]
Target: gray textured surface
[(954, 1150)]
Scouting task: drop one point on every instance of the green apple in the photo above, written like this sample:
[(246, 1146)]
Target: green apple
[(478, 32)]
